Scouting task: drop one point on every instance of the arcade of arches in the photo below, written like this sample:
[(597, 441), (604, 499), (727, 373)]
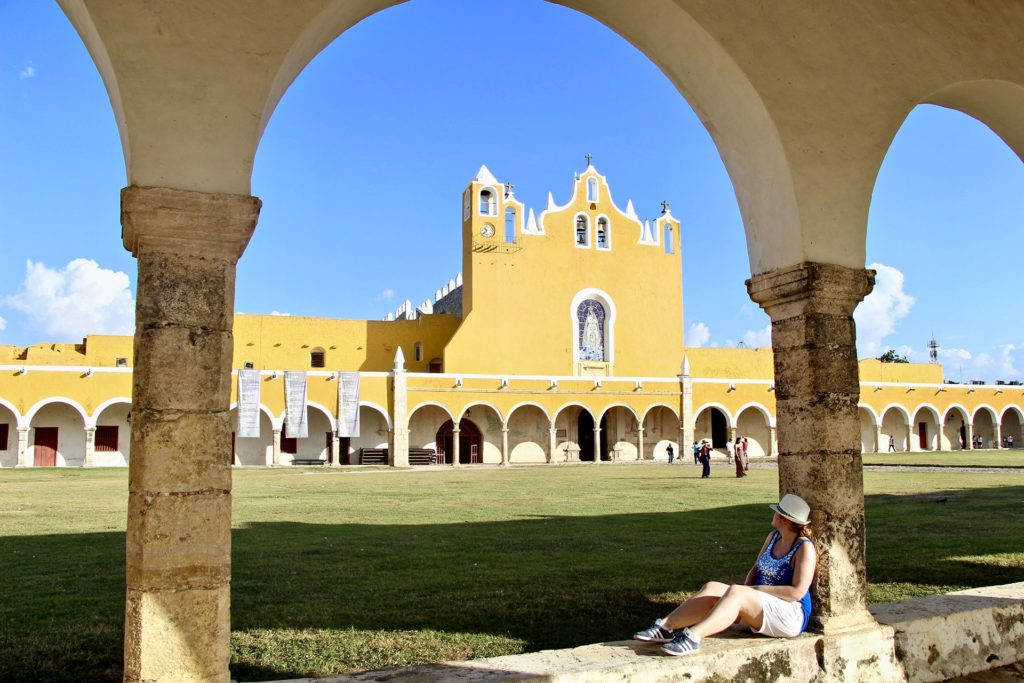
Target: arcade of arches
[(802, 119)]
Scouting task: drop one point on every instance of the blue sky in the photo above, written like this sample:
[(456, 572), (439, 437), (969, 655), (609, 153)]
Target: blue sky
[(361, 170)]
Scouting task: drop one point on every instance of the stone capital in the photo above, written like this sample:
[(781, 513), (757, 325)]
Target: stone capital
[(159, 219), (810, 287)]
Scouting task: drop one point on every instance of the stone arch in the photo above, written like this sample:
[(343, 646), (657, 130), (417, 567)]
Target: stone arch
[(1011, 424), (954, 428), (926, 425), (648, 409), (12, 420), (999, 104), (64, 420), (868, 429), (985, 427), (424, 422), (374, 428), (754, 422), (896, 427), (112, 413), (253, 451), (490, 421), (529, 433), (661, 429), (619, 433), (484, 404), (714, 422), (567, 437)]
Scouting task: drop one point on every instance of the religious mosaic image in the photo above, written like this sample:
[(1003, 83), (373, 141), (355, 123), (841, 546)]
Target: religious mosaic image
[(590, 318)]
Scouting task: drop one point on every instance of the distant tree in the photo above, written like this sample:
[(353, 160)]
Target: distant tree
[(891, 356)]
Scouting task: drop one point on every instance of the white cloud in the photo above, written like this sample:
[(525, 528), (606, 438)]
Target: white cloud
[(1007, 361), (28, 72), (384, 295), (878, 314), (79, 299), (757, 338), (955, 354), (278, 313), (698, 335), (3, 324)]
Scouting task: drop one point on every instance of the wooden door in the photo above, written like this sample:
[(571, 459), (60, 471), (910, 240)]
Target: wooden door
[(46, 447), (922, 435)]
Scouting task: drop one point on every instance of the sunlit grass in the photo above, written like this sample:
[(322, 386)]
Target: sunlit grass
[(346, 570)]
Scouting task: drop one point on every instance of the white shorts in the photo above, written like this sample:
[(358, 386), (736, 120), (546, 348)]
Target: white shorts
[(782, 618)]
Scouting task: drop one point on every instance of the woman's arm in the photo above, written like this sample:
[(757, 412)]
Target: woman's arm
[(752, 574), (805, 562)]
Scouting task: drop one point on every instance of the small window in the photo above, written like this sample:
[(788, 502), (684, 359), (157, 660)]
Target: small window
[(582, 230), (592, 190), (248, 365), (418, 349), (5, 434), (317, 358), (668, 239), (602, 233), (106, 439), (121, 363), (436, 366), (488, 203)]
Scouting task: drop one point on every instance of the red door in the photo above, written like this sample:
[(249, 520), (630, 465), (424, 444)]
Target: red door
[(46, 447), (922, 435)]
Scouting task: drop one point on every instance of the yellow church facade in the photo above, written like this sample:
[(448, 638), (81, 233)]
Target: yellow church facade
[(514, 361)]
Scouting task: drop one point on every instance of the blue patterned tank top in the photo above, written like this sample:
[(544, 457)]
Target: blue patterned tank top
[(773, 571)]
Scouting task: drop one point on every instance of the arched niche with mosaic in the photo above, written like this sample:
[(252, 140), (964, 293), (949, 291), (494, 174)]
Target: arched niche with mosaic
[(591, 331)]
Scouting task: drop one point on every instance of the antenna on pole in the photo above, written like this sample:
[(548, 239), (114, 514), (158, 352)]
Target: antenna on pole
[(933, 349)]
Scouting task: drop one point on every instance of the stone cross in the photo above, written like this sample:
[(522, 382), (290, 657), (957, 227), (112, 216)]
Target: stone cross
[(588, 158), (664, 207), (509, 187)]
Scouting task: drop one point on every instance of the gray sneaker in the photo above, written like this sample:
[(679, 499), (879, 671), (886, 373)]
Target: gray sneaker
[(682, 644), (655, 633)]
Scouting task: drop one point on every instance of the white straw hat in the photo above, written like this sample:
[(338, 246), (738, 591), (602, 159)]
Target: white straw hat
[(794, 508)]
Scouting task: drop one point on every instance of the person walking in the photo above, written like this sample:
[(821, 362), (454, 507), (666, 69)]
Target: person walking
[(729, 449), (705, 459), (696, 452), (892, 443), (739, 458), (671, 453), (746, 459)]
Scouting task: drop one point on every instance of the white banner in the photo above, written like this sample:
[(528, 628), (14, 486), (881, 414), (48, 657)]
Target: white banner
[(248, 403), (348, 404), (295, 426)]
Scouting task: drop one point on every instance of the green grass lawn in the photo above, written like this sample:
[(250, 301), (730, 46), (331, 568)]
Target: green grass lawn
[(985, 458), (337, 571)]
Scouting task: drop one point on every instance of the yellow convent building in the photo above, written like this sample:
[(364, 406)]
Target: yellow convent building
[(513, 361)]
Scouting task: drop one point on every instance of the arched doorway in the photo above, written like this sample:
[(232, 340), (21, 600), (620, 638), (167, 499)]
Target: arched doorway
[(712, 424), (753, 424), (954, 430), (8, 437), (926, 430), (868, 433), (985, 428), (471, 442), (1011, 426), (895, 430)]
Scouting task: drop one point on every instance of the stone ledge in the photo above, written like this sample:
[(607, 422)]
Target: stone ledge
[(911, 642), (943, 636)]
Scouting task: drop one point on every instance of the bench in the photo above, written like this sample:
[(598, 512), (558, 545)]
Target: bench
[(422, 456), (306, 462), (373, 456)]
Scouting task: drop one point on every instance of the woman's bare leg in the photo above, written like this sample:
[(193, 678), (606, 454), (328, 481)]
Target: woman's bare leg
[(696, 607), (738, 602)]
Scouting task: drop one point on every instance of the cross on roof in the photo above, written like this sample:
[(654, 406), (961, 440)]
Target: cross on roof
[(508, 188), (664, 207), (589, 156)]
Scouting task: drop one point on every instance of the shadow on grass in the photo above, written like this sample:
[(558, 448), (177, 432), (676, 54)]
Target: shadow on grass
[(547, 582)]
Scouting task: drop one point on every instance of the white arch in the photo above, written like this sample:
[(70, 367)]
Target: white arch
[(14, 411), (875, 417), (901, 409), (263, 409), (494, 201), (964, 413), (380, 409), (728, 416), (651, 407), (91, 423), (1007, 409), (466, 408), (617, 405), (523, 404), (576, 404), (934, 411), (331, 419), (575, 219), (444, 408), (768, 417), (984, 406), (608, 232), (56, 399), (609, 320)]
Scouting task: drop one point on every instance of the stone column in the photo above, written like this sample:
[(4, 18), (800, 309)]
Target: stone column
[(178, 540), (879, 436), (997, 435), (732, 435), (774, 440), (817, 390), (456, 433), (910, 433), (504, 444), (24, 457), (686, 437), (969, 426), (277, 457), (398, 443), (552, 441), (640, 442), (597, 444), (336, 449), (90, 446)]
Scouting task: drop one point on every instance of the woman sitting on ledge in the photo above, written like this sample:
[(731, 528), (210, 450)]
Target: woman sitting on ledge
[(775, 599)]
